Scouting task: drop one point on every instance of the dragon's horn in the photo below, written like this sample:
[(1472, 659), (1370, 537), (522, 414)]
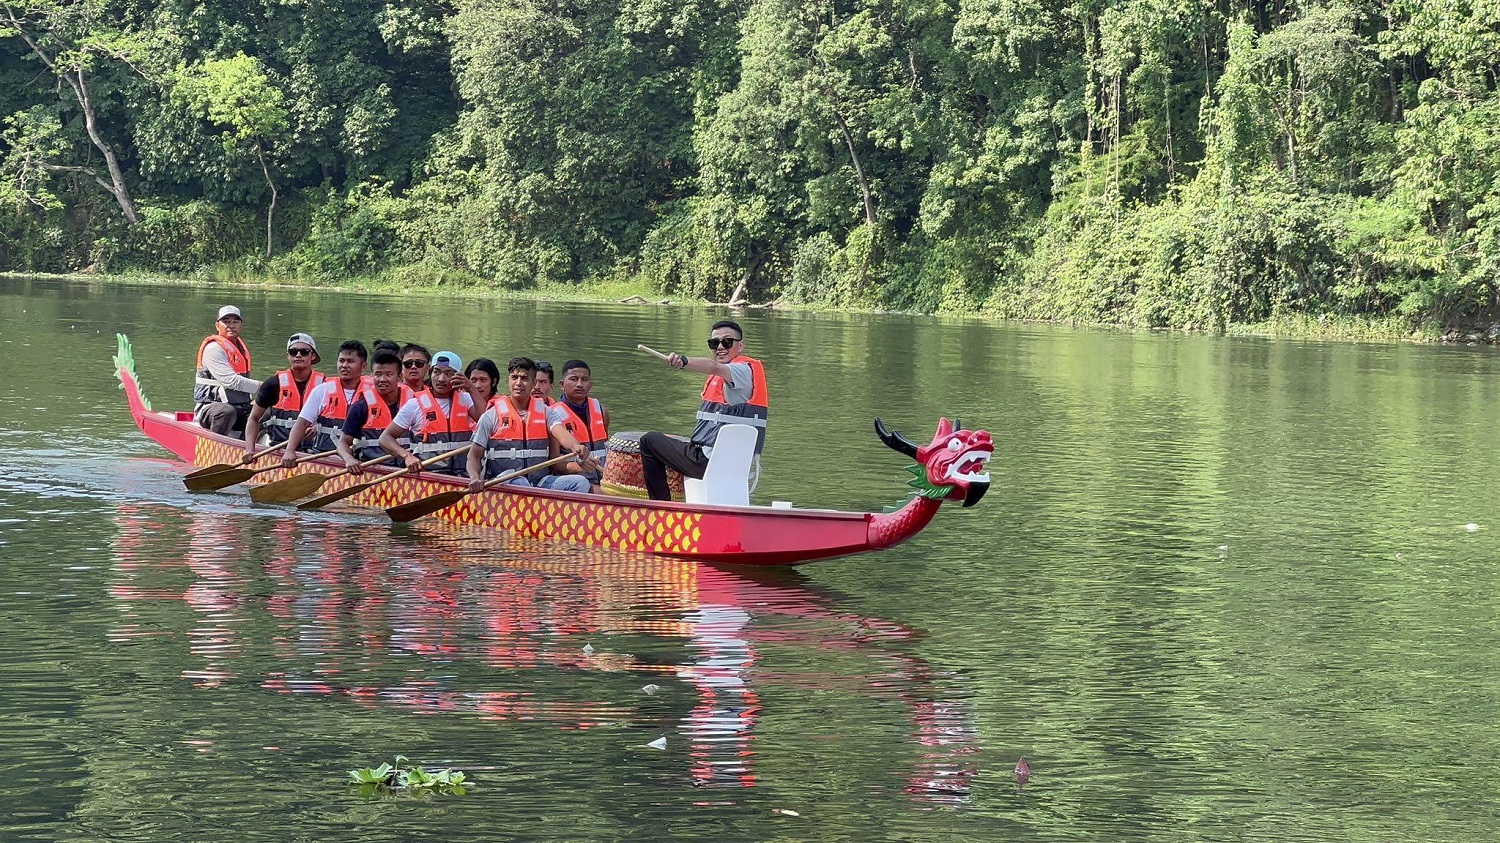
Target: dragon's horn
[(958, 425), (895, 440)]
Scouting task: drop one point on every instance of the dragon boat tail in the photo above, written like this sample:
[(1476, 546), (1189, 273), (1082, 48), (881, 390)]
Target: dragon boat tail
[(952, 467)]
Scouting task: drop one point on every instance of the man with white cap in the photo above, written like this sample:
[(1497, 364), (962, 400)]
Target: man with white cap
[(221, 390), (436, 418), (281, 396)]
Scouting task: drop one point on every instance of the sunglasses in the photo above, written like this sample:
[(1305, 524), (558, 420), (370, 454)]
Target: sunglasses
[(413, 364), (722, 342), (299, 352)]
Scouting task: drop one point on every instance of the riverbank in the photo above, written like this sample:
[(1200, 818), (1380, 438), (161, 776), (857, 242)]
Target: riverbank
[(631, 290)]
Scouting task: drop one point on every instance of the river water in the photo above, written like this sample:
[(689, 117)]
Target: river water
[(1220, 589)]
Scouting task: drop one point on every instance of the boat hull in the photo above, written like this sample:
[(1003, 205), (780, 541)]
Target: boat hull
[(741, 535)]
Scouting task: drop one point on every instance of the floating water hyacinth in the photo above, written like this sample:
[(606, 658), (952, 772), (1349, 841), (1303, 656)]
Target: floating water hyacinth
[(390, 779), (650, 689)]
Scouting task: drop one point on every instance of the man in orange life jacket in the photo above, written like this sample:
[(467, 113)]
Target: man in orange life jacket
[(221, 390), (543, 387), (578, 420), (373, 411), (512, 434), (280, 397), (327, 406), (436, 419), (735, 393), (414, 362)]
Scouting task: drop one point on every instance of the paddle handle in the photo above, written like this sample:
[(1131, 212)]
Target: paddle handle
[(429, 461), (300, 460), (653, 352), (511, 475), (365, 464), (263, 451)]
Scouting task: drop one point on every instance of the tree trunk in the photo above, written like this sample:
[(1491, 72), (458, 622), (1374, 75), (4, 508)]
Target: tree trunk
[(271, 208), (737, 297), (859, 171), (74, 77)]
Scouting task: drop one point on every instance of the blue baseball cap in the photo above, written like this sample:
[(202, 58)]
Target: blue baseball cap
[(448, 359)]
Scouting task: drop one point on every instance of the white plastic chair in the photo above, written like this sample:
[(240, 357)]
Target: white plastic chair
[(726, 481)]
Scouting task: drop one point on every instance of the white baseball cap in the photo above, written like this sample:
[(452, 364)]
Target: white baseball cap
[(230, 310), (447, 358), (307, 340)]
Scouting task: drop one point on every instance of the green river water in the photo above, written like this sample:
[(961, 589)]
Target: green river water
[(1220, 589)]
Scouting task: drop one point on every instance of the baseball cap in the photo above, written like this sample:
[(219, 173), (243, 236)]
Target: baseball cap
[(307, 340), (448, 359), (229, 310)]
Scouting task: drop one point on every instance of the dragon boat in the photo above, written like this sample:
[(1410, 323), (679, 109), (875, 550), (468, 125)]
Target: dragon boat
[(952, 467)]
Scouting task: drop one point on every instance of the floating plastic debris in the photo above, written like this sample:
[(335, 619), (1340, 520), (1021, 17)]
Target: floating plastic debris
[(786, 812), (659, 743), (650, 689), (1471, 527), (588, 649)]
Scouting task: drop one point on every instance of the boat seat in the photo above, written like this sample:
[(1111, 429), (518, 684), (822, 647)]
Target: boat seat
[(726, 481)]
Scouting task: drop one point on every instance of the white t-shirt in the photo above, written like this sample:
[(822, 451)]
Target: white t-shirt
[(410, 414), (315, 399)]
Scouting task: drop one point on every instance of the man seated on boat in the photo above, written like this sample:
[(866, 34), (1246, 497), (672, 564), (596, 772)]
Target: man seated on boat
[(373, 411), (577, 419), (221, 390), (280, 397), (327, 406), (512, 435), (735, 393), (415, 360), (485, 376), (437, 419), (543, 387)]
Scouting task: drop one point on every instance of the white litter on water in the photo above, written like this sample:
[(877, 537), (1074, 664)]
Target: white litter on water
[(1471, 527), (650, 689), (787, 811), (588, 649), (659, 743)]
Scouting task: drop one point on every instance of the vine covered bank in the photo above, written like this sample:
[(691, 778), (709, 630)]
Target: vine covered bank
[(1145, 162)]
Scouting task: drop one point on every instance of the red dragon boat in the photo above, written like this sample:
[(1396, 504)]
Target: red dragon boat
[(952, 467)]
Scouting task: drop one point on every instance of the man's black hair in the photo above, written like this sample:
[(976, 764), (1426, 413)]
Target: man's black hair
[(523, 363), (728, 323), (386, 345), (422, 349), (483, 364), (544, 366), (385, 356), (357, 347), (576, 364)]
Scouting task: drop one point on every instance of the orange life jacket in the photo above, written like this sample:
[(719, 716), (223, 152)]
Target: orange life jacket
[(367, 444), (206, 388), (594, 434), (440, 431), (714, 412), (283, 414), (515, 443)]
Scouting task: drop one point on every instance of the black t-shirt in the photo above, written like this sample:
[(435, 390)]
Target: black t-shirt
[(359, 414), (270, 390)]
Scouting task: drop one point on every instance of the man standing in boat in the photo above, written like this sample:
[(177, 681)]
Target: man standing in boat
[(221, 390), (735, 393), (280, 397)]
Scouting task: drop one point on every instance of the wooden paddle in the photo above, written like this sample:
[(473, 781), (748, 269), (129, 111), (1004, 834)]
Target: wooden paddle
[(297, 486), (231, 466), (428, 505), (653, 352), (219, 480), (319, 503)]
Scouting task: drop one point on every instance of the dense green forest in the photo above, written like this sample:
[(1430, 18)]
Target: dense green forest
[(1150, 162)]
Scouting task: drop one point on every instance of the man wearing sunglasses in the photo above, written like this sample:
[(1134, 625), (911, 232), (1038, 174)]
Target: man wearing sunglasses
[(415, 360), (280, 397), (735, 393)]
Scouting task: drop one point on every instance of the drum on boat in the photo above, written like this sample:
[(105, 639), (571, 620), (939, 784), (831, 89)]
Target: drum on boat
[(623, 472)]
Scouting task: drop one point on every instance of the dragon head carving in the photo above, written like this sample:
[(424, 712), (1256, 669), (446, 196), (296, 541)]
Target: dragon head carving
[(952, 467)]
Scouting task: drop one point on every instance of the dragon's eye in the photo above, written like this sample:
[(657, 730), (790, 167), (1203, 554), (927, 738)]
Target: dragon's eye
[(954, 445)]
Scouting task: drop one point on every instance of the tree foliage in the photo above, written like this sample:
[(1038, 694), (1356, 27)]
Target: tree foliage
[(1153, 162)]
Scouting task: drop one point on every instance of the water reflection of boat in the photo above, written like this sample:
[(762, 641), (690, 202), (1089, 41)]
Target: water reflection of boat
[(420, 622), (951, 468)]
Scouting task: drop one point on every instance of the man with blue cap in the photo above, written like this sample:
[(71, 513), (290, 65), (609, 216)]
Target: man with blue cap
[(437, 420)]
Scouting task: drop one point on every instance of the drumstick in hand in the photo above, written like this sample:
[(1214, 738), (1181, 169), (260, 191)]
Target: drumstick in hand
[(653, 352)]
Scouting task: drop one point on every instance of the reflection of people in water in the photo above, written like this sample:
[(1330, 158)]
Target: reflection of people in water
[(520, 613)]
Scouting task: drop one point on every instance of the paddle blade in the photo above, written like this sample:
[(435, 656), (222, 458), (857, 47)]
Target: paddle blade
[(288, 489), (218, 479), (426, 506), (319, 503), (212, 469)]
